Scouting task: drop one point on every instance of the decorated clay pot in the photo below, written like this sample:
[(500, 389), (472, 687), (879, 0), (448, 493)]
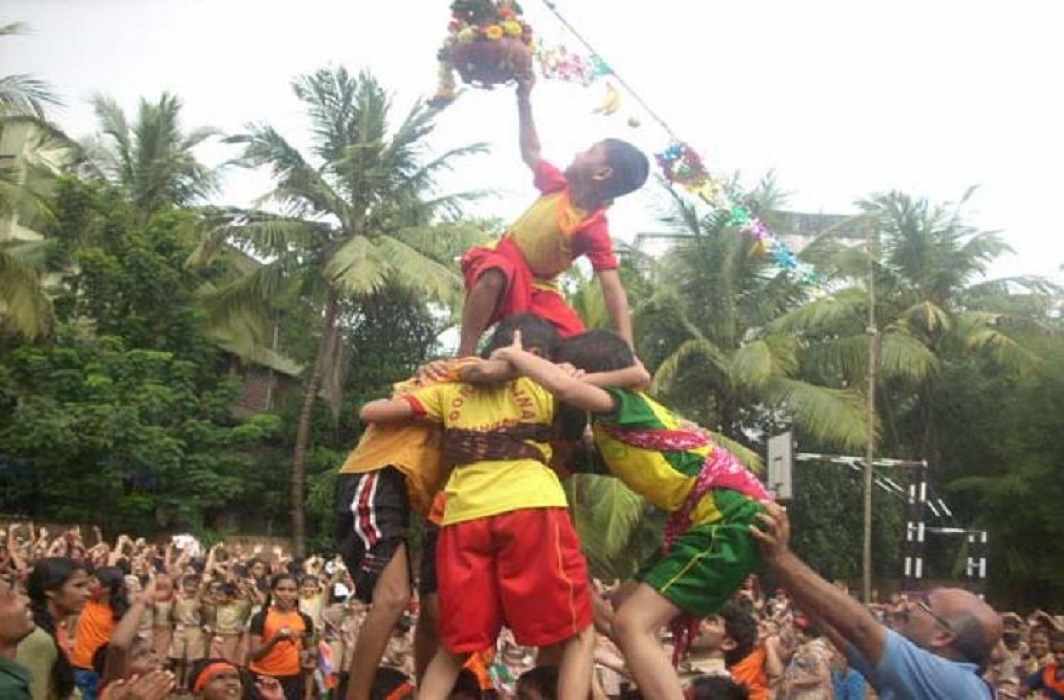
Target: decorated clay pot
[(485, 63)]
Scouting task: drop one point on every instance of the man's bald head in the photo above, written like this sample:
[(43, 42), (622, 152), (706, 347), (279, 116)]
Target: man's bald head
[(976, 627)]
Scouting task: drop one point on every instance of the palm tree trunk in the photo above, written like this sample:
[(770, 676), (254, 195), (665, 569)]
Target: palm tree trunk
[(297, 484)]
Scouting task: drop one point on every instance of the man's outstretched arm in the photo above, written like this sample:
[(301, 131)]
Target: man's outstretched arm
[(810, 592)]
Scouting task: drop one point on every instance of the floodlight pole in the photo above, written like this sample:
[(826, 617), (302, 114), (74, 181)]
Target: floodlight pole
[(870, 448)]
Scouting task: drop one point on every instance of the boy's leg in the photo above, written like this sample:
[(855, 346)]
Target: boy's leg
[(426, 634), (373, 515), (479, 308), (441, 674), (577, 664), (391, 595), (638, 626)]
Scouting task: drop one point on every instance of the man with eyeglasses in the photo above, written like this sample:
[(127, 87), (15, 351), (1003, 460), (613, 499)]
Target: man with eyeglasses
[(943, 641)]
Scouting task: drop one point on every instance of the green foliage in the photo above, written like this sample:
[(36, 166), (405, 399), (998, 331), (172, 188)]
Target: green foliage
[(128, 411), (715, 333), (129, 432)]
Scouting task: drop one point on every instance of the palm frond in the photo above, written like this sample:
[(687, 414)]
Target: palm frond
[(754, 363), (980, 331), (607, 513), (23, 94), (417, 271), (357, 267), (827, 314), (834, 415), (927, 317), (242, 307), (692, 348), (24, 306)]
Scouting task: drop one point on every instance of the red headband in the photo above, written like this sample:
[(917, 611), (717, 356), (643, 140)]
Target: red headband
[(209, 673)]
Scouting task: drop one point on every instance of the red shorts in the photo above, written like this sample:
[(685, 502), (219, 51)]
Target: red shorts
[(522, 295), (523, 569)]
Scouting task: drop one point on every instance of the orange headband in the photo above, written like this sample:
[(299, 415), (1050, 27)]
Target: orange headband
[(210, 673)]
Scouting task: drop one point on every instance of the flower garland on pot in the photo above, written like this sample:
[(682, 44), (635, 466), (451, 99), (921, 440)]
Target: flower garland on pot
[(488, 44)]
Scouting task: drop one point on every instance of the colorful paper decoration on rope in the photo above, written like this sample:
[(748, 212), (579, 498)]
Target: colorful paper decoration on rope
[(559, 63), (681, 165)]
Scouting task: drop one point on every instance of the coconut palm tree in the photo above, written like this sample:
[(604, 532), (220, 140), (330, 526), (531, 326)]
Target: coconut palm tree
[(708, 329), (360, 213), (22, 94), (932, 304), (152, 158)]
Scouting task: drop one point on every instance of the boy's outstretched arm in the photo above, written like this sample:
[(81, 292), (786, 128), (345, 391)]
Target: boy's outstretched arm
[(556, 380), (635, 377), (386, 411), (616, 301), (530, 148)]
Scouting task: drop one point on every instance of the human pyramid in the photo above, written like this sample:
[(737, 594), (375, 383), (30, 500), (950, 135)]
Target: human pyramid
[(478, 443)]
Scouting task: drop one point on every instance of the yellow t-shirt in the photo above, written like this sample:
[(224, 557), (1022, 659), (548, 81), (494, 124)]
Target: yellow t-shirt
[(482, 489), (412, 448)]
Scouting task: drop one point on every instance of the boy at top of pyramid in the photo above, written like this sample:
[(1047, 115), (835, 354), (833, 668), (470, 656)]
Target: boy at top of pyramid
[(518, 274)]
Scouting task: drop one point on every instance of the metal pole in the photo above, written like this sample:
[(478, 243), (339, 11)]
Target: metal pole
[(870, 451)]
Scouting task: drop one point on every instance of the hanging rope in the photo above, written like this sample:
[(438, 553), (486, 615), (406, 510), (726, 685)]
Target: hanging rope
[(681, 165), (613, 71)]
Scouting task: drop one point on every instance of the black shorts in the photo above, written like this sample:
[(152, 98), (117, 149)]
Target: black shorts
[(372, 517), (427, 583)]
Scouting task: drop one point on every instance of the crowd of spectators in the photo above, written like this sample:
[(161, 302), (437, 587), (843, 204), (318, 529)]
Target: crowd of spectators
[(134, 620)]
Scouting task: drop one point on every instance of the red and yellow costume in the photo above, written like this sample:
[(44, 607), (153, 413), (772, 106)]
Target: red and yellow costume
[(539, 246)]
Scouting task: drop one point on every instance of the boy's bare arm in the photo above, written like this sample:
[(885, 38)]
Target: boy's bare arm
[(556, 380), (616, 301), (487, 372), (530, 148), (634, 377), (386, 411)]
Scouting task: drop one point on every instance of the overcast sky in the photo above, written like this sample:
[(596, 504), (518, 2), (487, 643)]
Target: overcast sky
[(841, 99)]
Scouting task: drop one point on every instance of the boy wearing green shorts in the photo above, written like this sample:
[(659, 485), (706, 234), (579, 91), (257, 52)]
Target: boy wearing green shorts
[(712, 501)]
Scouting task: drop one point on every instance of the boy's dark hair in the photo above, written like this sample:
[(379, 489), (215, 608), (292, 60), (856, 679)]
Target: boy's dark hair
[(536, 334), (386, 681), (571, 422), (630, 169), (596, 351), (544, 679), (716, 688), (741, 626)]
